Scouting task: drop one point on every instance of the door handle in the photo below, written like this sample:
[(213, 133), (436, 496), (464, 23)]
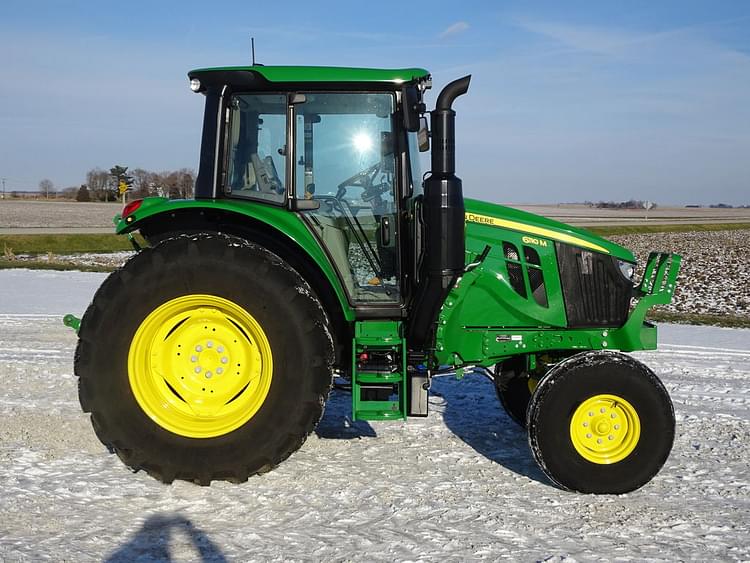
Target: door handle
[(385, 231)]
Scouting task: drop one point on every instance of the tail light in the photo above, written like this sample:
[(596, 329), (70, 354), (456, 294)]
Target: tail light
[(131, 208)]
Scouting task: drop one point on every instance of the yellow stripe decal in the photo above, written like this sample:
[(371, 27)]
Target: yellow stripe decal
[(524, 228)]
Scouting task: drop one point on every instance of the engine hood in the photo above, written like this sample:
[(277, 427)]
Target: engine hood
[(480, 213)]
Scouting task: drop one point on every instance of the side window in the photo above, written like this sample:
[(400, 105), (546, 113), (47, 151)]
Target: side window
[(256, 147)]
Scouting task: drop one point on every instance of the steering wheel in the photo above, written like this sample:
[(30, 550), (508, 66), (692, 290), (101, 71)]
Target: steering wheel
[(364, 179)]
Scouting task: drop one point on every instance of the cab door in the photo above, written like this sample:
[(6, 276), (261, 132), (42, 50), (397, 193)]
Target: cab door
[(345, 160)]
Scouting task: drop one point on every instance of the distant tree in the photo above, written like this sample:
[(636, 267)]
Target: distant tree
[(46, 186), (98, 184), (144, 183), (69, 193), (83, 193), (186, 182), (170, 184), (120, 176)]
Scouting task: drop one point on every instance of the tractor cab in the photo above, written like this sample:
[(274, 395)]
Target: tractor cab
[(340, 149)]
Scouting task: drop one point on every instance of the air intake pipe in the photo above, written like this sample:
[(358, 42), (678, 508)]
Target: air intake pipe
[(443, 214)]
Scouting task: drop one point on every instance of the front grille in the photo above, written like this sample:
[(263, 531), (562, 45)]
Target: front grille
[(596, 293)]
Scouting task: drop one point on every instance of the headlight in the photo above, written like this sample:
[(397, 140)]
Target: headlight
[(195, 84), (627, 269)]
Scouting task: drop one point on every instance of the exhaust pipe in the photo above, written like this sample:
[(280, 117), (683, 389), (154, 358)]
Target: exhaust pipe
[(443, 121), (443, 213)]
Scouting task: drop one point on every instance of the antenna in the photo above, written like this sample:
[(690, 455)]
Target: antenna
[(252, 47)]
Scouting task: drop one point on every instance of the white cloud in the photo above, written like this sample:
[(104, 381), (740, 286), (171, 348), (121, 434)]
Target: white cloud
[(455, 29)]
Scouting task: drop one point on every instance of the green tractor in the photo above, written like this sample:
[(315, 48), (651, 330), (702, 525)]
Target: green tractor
[(315, 247)]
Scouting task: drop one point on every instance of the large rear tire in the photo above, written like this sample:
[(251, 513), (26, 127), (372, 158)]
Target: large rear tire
[(600, 422), (204, 358)]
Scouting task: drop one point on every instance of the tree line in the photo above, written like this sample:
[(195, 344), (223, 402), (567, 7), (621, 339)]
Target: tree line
[(630, 204), (104, 185)]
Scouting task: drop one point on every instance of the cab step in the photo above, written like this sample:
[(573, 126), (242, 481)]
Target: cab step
[(378, 371)]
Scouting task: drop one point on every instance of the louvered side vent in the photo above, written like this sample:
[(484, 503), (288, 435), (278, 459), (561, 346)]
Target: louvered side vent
[(515, 271), (595, 292), (538, 291)]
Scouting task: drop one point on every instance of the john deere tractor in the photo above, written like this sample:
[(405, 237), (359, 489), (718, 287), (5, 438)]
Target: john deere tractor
[(315, 248)]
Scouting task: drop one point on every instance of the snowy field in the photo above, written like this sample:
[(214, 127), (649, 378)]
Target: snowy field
[(459, 485)]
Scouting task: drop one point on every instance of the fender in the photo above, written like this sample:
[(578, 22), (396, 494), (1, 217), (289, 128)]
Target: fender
[(278, 221)]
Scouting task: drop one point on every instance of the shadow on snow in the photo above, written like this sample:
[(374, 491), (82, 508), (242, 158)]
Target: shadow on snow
[(152, 541), (337, 423), (471, 411), (474, 414)]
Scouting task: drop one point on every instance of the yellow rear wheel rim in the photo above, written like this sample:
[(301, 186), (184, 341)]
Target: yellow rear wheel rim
[(200, 366), (605, 429)]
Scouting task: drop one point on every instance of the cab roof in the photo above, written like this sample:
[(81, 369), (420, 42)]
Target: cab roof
[(318, 74)]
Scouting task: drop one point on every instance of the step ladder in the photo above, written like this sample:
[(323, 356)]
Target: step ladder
[(378, 371)]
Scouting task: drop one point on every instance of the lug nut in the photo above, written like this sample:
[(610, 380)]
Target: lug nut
[(588, 435), (585, 423), (208, 375), (209, 344), (219, 371), (197, 369), (220, 349), (617, 426), (198, 348), (224, 360), (193, 359)]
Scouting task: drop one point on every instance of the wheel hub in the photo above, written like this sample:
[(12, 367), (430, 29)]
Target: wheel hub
[(200, 366), (605, 429)]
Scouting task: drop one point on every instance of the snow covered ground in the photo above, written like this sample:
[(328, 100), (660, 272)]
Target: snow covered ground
[(458, 485)]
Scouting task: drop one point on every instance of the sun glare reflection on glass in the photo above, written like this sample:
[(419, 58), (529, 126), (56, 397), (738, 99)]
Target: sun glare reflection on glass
[(362, 142)]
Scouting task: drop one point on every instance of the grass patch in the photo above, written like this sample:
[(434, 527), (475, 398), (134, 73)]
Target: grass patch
[(611, 230), (728, 321), (57, 266), (64, 244)]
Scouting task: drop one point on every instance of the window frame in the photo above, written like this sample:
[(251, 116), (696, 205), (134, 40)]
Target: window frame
[(226, 134)]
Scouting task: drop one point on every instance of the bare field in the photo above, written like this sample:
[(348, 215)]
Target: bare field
[(32, 217), (714, 276), (582, 215)]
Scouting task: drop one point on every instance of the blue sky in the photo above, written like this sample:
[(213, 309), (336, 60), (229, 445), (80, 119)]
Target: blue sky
[(569, 101)]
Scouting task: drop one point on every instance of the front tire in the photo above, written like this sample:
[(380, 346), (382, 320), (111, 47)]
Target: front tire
[(600, 422), (513, 387), (206, 357)]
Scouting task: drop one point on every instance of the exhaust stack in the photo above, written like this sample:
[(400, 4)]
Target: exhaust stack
[(443, 213)]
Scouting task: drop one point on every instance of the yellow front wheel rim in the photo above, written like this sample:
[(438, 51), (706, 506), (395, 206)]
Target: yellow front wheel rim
[(605, 429), (200, 366)]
